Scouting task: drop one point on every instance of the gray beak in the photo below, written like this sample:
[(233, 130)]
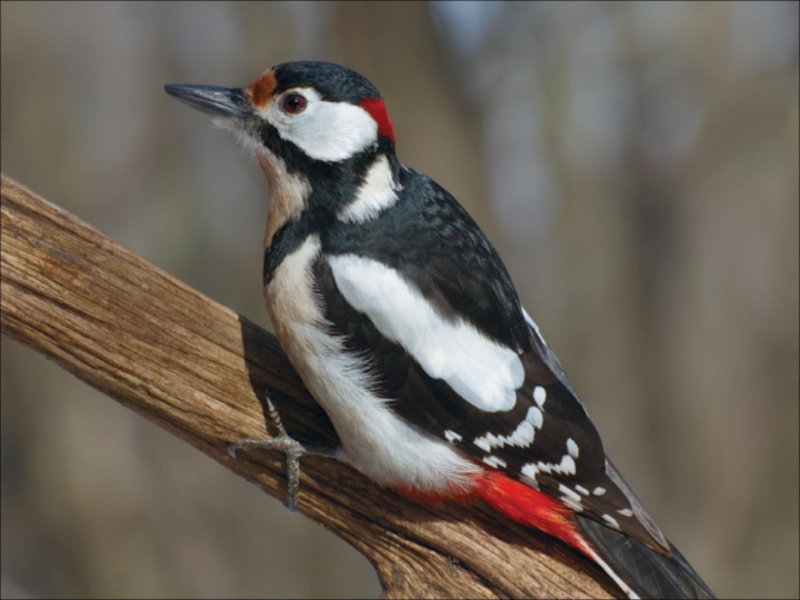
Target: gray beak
[(213, 100)]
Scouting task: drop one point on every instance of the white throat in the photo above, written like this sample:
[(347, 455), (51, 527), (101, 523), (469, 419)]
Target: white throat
[(288, 192)]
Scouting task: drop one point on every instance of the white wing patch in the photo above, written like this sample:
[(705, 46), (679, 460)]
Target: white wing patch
[(377, 193), (327, 131), (481, 371), (376, 440)]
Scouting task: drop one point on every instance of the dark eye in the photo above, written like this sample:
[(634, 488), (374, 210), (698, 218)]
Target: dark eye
[(294, 103)]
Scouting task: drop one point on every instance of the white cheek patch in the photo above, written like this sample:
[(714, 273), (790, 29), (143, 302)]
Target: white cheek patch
[(327, 131), (481, 371)]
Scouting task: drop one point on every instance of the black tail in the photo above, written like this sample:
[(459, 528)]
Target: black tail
[(648, 573)]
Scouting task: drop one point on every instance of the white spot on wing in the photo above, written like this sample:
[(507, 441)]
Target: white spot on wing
[(378, 192), (576, 506), (522, 436), (599, 491), (626, 512), (483, 444), (611, 521), (572, 448), (567, 465), (582, 490), (481, 371), (530, 470), (452, 436), (540, 395), (495, 461), (535, 416), (568, 492)]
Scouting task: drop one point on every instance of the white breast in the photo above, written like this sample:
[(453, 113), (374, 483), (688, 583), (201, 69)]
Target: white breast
[(376, 440)]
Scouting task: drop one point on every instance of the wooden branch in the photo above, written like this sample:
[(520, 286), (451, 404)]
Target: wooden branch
[(197, 369)]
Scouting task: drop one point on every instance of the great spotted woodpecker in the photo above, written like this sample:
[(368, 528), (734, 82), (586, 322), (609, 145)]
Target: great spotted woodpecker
[(404, 324)]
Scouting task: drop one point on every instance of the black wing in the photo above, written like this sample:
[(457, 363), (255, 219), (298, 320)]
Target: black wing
[(564, 456)]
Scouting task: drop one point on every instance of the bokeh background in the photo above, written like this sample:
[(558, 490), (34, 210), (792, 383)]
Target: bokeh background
[(636, 165)]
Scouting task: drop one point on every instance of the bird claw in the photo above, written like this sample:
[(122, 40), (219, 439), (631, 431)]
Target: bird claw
[(292, 449)]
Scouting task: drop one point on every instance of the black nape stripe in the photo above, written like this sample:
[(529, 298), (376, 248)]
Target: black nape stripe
[(333, 184), (286, 240)]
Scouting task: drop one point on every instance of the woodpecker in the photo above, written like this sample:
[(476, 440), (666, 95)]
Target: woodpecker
[(404, 324)]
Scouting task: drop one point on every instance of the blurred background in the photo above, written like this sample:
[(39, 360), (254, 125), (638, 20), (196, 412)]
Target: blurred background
[(636, 165)]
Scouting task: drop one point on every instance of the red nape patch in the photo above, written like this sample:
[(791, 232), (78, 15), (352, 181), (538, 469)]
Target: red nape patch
[(529, 507), (377, 110)]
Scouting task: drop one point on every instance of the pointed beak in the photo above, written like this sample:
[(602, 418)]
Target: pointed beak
[(216, 101)]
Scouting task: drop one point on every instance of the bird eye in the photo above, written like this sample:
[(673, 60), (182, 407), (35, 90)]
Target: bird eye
[(294, 104)]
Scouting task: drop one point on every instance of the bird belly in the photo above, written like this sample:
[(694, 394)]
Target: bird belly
[(375, 440)]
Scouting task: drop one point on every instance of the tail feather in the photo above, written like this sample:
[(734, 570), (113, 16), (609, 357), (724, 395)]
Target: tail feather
[(648, 574)]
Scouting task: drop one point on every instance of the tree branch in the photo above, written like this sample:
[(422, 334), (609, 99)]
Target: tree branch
[(198, 369)]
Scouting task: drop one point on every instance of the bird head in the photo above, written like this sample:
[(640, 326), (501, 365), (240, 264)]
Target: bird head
[(317, 129), (303, 110)]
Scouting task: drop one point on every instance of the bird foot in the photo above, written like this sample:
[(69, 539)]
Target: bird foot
[(292, 448)]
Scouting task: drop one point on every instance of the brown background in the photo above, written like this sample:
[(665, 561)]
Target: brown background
[(635, 164)]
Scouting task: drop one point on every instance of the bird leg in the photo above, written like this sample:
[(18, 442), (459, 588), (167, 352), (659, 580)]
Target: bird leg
[(291, 447)]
